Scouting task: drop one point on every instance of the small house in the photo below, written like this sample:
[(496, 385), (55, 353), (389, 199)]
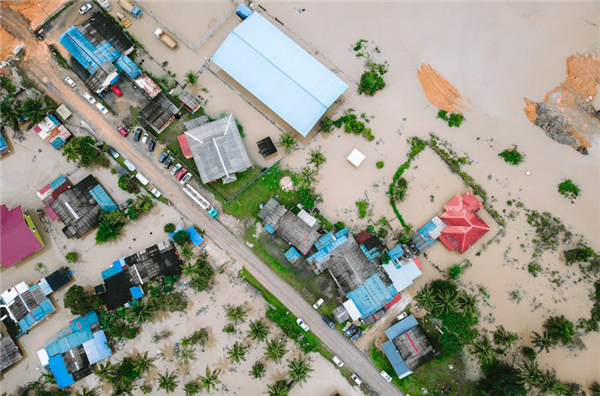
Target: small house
[(159, 113), (19, 237)]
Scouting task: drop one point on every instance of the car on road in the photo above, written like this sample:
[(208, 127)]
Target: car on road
[(145, 137), (356, 379), (129, 165), (113, 152), (122, 131), (350, 331), (181, 174), (169, 161), (338, 362), (386, 376), (116, 90), (151, 144), (328, 321), (163, 156), (356, 335), (401, 316), (303, 325), (138, 134), (186, 178), (70, 81), (89, 98), (101, 108), (176, 169), (85, 8), (318, 303)]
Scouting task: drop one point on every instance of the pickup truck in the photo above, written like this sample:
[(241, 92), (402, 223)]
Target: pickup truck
[(165, 38), (154, 190)]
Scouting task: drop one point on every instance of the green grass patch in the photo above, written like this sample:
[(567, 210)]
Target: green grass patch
[(228, 191)]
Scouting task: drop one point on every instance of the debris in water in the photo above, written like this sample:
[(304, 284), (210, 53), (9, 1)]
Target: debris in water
[(440, 92)]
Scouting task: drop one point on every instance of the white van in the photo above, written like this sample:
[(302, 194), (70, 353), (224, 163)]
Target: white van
[(142, 179)]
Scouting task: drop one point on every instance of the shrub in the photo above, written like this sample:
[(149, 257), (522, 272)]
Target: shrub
[(533, 268), (379, 164), (455, 271), (72, 257), (385, 258), (80, 302), (129, 184), (455, 120), (371, 82), (306, 199), (172, 302), (512, 156), (169, 228), (579, 255), (568, 189), (181, 237), (443, 114), (529, 353), (340, 225), (362, 205)]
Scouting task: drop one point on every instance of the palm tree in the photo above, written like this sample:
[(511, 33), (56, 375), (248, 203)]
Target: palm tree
[(445, 301), (528, 373), (467, 303), (142, 312), (543, 341), (191, 270), (143, 363), (123, 388), (186, 355), (425, 298), (279, 388), (482, 349), (503, 337), (258, 370), (186, 252), (71, 152), (236, 314), (560, 329), (287, 141), (317, 158), (34, 109), (191, 388), (168, 381), (237, 352), (106, 371), (307, 177), (258, 330), (86, 392), (299, 369), (11, 113), (595, 388), (191, 77), (275, 350), (210, 380), (547, 382)]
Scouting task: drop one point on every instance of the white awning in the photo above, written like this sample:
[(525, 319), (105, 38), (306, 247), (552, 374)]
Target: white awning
[(356, 157)]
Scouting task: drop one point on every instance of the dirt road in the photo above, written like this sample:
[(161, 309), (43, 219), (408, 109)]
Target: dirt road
[(42, 68)]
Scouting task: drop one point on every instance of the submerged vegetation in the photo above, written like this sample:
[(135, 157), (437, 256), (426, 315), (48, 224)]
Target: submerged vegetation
[(512, 156), (569, 189), (454, 119), (372, 80), (351, 123)]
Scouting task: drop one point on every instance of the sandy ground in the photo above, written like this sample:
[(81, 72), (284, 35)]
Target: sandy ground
[(8, 44), (36, 11)]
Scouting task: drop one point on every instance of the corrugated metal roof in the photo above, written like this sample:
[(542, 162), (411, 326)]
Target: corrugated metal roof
[(60, 373), (392, 354), (97, 348), (281, 74), (401, 327), (403, 276), (101, 196), (128, 66), (292, 255)]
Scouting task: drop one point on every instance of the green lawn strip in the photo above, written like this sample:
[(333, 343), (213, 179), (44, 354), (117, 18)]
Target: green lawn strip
[(229, 190)]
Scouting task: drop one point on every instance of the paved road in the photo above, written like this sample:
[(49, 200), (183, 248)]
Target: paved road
[(49, 75)]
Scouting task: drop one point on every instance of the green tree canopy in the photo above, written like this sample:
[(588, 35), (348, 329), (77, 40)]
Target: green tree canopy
[(80, 302)]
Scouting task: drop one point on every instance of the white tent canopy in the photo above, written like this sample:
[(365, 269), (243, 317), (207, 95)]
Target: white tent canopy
[(356, 158)]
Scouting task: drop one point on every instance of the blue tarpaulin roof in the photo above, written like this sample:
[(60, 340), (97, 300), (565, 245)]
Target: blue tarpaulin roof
[(2, 142), (278, 72), (60, 373), (107, 273), (270, 228), (195, 236), (97, 348), (177, 229), (105, 202), (118, 265), (292, 255), (136, 292)]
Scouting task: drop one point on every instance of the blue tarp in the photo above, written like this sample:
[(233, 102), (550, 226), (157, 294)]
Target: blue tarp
[(2, 142), (292, 255), (279, 72), (101, 196), (54, 120), (195, 236), (177, 229), (269, 228), (136, 292), (60, 373), (57, 143), (58, 182), (117, 266)]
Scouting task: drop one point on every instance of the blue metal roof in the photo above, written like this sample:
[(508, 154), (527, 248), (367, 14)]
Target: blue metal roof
[(97, 348), (392, 354), (372, 295), (292, 255), (195, 236), (84, 321), (57, 143), (270, 228), (68, 342), (60, 373), (117, 266), (58, 182), (124, 63), (2, 142), (396, 252), (281, 74), (401, 327), (370, 254), (243, 11), (101, 196), (136, 292), (107, 273), (88, 55)]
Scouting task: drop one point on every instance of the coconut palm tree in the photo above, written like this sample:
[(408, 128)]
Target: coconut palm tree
[(426, 298), (307, 177), (142, 312), (299, 369), (560, 329), (35, 110), (467, 303), (236, 314), (191, 270), (543, 341), (317, 158), (123, 388), (445, 301), (168, 381), (84, 391), (547, 382), (11, 113), (279, 388), (482, 349), (186, 355), (595, 388), (71, 152), (528, 373), (210, 380), (186, 252), (106, 371), (287, 141), (143, 363), (258, 370), (258, 330), (503, 337), (237, 352), (191, 77), (275, 351)]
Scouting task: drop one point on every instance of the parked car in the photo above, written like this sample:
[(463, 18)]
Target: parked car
[(116, 90), (318, 303), (113, 152), (350, 331), (129, 165), (138, 133), (122, 131), (163, 156), (328, 321), (338, 362), (386, 376), (70, 81), (186, 178), (176, 169), (89, 98), (85, 8), (356, 379), (401, 316), (145, 137), (151, 144), (356, 335), (101, 108), (303, 325), (181, 174), (169, 161)]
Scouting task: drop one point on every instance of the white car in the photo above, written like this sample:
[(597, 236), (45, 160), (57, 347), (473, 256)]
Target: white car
[(89, 98), (186, 178), (385, 376), (85, 8), (318, 303), (401, 316), (145, 138), (303, 325), (101, 108), (338, 362), (356, 379), (70, 81)]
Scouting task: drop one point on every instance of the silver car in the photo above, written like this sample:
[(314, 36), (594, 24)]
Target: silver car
[(176, 169)]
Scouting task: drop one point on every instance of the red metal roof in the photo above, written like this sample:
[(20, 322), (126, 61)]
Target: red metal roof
[(185, 146), (362, 237), (463, 226), (396, 298), (17, 241)]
